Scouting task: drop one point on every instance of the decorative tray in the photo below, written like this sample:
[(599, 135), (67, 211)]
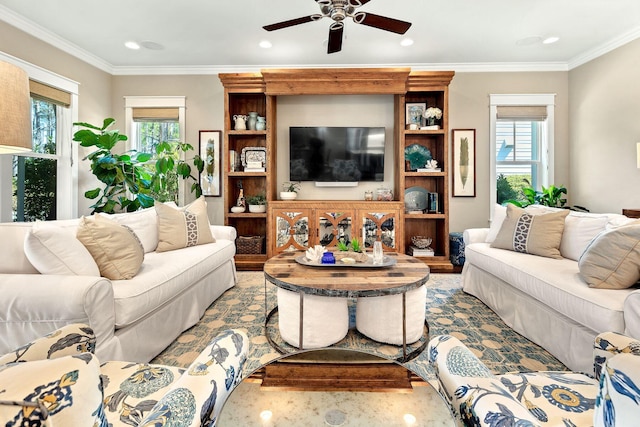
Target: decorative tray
[(253, 154), (387, 261)]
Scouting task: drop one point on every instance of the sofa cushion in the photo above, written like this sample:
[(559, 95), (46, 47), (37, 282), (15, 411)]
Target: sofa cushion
[(68, 387), (56, 250), (183, 227), (579, 230), (533, 234), (144, 223), (555, 283), (115, 248), (499, 214), (612, 260), (164, 276)]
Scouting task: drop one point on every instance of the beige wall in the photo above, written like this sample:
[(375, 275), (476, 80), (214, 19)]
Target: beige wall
[(605, 126), (94, 91), (469, 109), (204, 110)]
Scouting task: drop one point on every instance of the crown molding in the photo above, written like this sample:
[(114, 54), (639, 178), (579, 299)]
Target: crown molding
[(489, 67), (604, 48), (31, 28)]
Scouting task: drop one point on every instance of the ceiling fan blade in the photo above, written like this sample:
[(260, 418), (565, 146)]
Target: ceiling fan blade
[(382, 22), (358, 3), (335, 38), (290, 23)]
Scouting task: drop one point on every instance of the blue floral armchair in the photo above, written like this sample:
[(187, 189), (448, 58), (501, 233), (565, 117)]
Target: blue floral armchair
[(609, 398), (56, 380)]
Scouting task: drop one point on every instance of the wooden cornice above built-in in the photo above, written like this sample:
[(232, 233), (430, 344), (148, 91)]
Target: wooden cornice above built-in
[(242, 82), (335, 81), (418, 80)]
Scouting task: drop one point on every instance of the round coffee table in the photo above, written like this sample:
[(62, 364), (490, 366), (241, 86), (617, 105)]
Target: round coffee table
[(406, 274)]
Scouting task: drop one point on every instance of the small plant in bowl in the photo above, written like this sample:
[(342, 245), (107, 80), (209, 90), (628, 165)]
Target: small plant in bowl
[(257, 203), (289, 190), (352, 250)]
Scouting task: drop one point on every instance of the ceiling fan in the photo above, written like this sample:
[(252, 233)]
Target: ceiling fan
[(338, 11)]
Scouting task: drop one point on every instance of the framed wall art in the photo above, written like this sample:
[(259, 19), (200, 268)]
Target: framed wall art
[(210, 177), (464, 162), (414, 112)]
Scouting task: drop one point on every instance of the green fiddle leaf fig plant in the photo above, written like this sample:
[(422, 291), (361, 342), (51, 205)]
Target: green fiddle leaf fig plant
[(132, 180)]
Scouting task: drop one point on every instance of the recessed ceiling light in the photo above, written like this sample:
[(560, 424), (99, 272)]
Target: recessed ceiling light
[(550, 40), (132, 45), (406, 42), (265, 44)]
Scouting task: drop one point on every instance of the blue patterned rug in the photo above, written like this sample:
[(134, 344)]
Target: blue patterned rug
[(449, 311)]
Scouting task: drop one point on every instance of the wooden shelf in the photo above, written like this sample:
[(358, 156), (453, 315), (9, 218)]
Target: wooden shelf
[(247, 132), (408, 216), (247, 215), (424, 132), (425, 174), (246, 174)]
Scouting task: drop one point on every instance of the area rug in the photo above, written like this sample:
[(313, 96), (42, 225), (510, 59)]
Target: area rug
[(449, 311)]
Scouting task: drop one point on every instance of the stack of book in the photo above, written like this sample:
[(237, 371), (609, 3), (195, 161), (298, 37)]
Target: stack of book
[(415, 251), (254, 167)]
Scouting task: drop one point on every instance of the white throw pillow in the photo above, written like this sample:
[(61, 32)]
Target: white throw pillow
[(579, 230), (55, 250), (499, 214), (144, 223)]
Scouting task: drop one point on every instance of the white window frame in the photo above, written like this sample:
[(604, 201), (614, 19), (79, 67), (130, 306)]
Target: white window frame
[(67, 150), (546, 149), (179, 102)]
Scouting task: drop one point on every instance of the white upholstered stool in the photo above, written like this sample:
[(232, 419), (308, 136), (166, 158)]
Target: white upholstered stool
[(326, 319), (380, 318)]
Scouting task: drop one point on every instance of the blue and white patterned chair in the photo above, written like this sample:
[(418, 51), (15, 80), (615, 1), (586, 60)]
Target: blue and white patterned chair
[(566, 399), (56, 380)]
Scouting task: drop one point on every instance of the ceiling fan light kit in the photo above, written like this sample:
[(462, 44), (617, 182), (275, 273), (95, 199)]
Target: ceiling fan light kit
[(338, 11)]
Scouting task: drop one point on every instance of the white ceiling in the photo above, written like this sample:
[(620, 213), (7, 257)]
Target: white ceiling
[(214, 35)]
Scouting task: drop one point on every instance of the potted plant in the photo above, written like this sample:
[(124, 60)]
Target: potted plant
[(289, 190), (257, 203)]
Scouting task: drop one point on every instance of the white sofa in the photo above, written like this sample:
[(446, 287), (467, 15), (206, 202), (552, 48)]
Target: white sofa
[(546, 299), (132, 319)]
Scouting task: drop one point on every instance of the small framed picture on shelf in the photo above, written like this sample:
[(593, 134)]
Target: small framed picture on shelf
[(210, 153), (464, 162), (414, 112)]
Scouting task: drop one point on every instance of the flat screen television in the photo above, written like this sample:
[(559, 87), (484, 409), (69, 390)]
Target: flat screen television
[(336, 154)]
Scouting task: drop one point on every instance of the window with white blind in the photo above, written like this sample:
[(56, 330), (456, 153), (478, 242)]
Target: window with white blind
[(151, 120), (42, 184), (521, 144)]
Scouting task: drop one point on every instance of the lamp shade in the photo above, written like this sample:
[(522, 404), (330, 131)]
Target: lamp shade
[(15, 110)]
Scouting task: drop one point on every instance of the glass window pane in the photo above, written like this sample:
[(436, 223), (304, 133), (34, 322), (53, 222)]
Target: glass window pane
[(34, 188), (150, 133), (44, 124)]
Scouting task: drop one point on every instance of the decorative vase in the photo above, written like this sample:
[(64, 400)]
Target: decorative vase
[(240, 122), (430, 121), (261, 124), (253, 119), (328, 258)]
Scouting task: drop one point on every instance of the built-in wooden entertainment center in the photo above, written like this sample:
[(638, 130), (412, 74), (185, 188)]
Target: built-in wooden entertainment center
[(298, 224)]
